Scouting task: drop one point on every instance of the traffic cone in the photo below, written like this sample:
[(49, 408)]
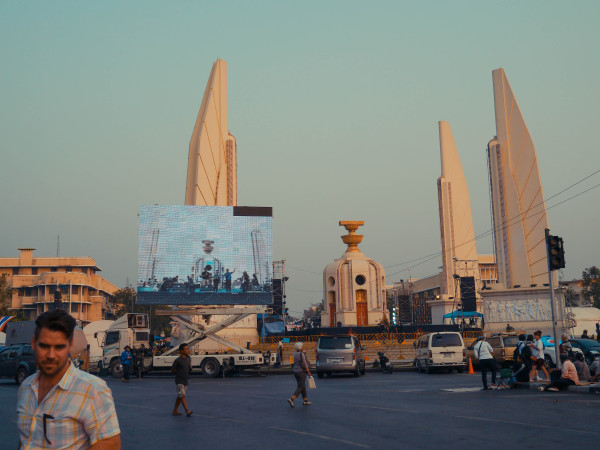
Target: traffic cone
[(471, 371)]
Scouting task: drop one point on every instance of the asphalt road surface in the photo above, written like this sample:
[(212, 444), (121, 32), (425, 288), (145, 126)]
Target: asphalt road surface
[(401, 410)]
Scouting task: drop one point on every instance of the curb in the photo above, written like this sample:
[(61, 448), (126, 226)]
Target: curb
[(588, 389)]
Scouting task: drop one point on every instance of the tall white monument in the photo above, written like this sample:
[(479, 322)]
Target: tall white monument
[(459, 251), (519, 211), (212, 161), (519, 214)]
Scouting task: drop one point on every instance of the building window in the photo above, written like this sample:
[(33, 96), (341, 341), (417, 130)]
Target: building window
[(27, 292), (75, 290), (53, 269), (84, 270), (34, 271), (68, 269), (360, 280), (75, 307), (15, 271)]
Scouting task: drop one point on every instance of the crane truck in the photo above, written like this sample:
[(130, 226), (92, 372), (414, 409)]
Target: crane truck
[(132, 329)]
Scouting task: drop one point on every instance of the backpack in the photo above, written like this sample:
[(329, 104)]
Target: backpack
[(526, 353)]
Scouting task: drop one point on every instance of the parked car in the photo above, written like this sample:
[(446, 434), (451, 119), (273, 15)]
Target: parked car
[(338, 354), (18, 362), (589, 347), (503, 344), (440, 350)]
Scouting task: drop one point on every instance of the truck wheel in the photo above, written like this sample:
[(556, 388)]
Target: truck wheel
[(20, 375), (116, 369), (211, 367)]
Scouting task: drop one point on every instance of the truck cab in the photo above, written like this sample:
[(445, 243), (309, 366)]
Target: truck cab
[(131, 329)]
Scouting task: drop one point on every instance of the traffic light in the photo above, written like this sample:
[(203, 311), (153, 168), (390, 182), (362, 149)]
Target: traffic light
[(556, 252)]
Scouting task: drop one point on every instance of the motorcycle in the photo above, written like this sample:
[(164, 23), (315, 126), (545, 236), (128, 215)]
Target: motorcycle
[(384, 363)]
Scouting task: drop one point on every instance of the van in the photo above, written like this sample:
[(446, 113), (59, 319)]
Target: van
[(440, 350), (338, 354)]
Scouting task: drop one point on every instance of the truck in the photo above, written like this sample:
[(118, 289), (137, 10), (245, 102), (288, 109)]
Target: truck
[(132, 330)]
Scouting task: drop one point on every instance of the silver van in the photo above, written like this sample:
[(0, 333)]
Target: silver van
[(445, 350), (340, 354)]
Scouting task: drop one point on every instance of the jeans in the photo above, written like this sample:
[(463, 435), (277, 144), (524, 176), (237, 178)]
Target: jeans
[(561, 383), (126, 371), (301, 379), (486, 364)]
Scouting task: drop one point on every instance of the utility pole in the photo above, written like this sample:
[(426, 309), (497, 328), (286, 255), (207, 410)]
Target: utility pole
[(556, 260)]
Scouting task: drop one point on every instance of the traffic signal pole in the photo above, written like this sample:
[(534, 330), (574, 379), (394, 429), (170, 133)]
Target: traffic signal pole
[(548, 257)]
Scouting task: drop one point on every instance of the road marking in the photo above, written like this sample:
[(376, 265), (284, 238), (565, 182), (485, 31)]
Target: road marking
[(462, 389), (378, 407), (320, 436), (535, 425), (137, 406), (206, 416)]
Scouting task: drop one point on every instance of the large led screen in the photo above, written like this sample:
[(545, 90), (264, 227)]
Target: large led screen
[(205, 255)]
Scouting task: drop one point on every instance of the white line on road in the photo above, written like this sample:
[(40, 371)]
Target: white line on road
[(224, 419), (535, 425), (378, 407), (320, 436)]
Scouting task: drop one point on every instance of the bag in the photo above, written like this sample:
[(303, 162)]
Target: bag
[(311, 383)]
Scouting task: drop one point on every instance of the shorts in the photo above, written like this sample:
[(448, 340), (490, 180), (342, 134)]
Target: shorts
[(181, 388), (539, 363)]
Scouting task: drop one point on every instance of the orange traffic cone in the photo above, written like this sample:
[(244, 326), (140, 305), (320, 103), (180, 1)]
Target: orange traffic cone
[(471, 371)]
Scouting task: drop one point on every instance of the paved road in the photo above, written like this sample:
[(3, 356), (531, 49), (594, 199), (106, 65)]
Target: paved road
[(402, 410)]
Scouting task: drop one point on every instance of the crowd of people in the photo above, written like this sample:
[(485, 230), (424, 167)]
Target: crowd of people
[(529, 361)]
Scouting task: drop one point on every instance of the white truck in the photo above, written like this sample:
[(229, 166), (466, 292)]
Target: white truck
[(132, 329)]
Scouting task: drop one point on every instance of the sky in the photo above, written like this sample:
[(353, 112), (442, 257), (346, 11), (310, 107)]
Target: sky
[(334, 105)]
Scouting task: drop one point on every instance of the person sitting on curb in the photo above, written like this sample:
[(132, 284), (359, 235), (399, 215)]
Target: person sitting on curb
[(568, 377), (583, 371)]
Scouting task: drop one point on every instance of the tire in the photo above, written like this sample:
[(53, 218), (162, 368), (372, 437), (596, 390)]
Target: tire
[(363, 371), (20, 375), (116, 369), (319, 374), (211, 367), (357, 371)]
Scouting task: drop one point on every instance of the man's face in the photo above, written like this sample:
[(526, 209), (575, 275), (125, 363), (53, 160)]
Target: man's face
[(51, 351), (185, 351)]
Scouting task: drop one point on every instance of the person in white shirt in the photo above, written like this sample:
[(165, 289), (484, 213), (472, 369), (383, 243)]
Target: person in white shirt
[(537, 355), (484, 352)]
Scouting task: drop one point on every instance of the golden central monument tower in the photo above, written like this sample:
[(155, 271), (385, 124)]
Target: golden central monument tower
[(353, 285)]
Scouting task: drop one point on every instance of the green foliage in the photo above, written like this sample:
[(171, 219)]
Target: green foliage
[(124, 301), (5, 296), (591, 285), (571, 298)]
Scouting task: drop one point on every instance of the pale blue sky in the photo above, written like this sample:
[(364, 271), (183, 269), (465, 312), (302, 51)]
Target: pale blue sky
[(334, 106)]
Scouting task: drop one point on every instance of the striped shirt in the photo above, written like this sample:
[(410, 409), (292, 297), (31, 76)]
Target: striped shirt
[(79, 412)]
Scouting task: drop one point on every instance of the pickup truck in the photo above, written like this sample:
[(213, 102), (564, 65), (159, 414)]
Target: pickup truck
[(18, 362)]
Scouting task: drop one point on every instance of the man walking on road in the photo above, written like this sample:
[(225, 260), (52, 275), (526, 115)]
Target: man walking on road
[(484, 352), (537, 355), (182, 367), (61, 406)]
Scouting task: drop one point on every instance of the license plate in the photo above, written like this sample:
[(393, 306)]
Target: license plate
[(448, 355), (335, 360)]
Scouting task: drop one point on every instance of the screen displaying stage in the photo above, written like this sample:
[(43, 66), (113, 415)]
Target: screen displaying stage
[(205, 255)]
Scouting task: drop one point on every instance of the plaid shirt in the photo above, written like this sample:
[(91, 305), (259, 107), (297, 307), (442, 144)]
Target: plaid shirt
[(79, 410)]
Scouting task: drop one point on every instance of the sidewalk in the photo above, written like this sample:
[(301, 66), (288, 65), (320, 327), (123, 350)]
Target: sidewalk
[(591, 388), (286, 369)]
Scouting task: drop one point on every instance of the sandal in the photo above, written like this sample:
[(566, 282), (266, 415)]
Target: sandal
[(291, 402), (306, 403)]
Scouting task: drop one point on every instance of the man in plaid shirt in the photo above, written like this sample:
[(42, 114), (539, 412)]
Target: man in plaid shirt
[(61, 406)]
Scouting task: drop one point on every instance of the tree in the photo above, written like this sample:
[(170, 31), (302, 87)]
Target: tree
[(5, 295), (591, 285), (125, 300), (571, 298)]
